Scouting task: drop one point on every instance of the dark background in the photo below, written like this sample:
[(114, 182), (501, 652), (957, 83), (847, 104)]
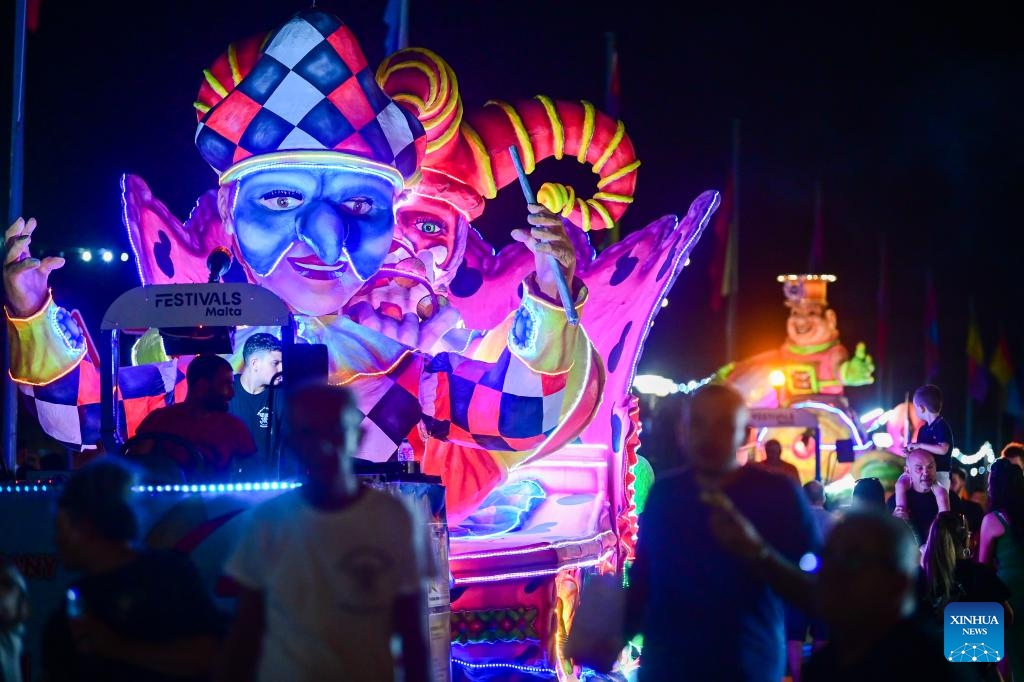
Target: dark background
[(909, 119)]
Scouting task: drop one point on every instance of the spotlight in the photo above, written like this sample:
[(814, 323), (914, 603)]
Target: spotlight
[(106, 256), (664, 303), (86, 255), (124, 257)]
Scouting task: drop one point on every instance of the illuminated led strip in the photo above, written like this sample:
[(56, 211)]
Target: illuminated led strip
[(24, 489), (217, 487), (529, 550), (503, 666), (587, 563), (669, 281), (839, 413)]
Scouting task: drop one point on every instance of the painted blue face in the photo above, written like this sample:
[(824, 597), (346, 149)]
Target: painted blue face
[(312, 235)]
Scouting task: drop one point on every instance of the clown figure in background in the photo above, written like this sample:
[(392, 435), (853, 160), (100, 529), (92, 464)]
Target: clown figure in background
[(813, 359), (311, 155)]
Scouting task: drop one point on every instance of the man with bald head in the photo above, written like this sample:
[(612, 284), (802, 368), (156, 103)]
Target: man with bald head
[(866, 589), (715, 613), (922, 505)]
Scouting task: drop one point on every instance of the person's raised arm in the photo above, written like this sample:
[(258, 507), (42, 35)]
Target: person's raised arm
[(737, 535), (991, 529)]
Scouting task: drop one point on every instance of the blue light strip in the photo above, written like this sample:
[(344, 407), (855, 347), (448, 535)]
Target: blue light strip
[(505, 666), (217, 487), (29, 487), (24, 488)]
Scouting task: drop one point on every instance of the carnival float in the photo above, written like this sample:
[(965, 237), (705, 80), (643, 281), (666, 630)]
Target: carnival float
[(345, 200)]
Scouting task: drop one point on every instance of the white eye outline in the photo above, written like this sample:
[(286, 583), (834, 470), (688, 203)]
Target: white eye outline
[(281, 200)]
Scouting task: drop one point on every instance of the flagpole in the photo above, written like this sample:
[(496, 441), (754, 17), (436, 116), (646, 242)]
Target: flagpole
[(882, 324), (818, 236), (611, 106), (732, 252), (14, 207), (969, 402)]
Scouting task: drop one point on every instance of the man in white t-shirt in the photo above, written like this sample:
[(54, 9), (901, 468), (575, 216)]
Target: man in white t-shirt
[(330, 571)]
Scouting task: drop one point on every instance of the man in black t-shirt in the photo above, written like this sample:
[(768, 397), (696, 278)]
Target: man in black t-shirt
[(261, 357), (133, 614)]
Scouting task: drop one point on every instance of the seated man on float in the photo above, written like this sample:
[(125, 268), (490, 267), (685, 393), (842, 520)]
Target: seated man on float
[(203, 420), (307, 204)]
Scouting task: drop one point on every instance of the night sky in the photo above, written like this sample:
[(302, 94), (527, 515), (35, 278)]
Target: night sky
[(909, 120)]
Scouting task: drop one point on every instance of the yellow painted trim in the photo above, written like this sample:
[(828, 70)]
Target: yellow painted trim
[(601, 211), (214, 83), (617, 198), (557, 129), (620, 130), (588, 131), (585, 213), (522, 134), (236, 73), (483, 160), (621, 173)]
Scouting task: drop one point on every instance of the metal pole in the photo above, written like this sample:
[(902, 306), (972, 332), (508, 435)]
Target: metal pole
[(14, 206), (733, 253), (817, 454)]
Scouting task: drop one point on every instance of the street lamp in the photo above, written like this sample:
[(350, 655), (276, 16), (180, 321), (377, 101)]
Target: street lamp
[(777, 378)]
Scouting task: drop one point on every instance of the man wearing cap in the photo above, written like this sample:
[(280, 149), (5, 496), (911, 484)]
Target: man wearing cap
[(311, 155)]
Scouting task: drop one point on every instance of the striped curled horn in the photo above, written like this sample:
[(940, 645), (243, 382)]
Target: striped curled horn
[(229, 69), (471, 149)]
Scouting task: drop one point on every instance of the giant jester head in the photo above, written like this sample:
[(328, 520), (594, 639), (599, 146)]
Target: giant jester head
[(311, 155)]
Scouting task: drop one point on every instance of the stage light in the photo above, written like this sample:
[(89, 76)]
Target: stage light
[(124, 257), (86, 255), (652, 384), (882, 439), (664, 303), (106, 256), (777, 378)]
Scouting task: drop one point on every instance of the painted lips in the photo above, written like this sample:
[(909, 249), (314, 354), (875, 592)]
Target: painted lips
[(312, 267)]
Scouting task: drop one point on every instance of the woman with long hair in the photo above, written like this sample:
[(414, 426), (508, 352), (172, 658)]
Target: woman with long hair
[(948, 575), (1002, 547)]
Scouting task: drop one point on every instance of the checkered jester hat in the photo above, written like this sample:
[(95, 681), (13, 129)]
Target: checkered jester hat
[(303, 95)]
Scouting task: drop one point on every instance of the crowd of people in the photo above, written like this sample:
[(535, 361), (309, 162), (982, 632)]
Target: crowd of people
[(330, 577), (738, 576), (741, 573)]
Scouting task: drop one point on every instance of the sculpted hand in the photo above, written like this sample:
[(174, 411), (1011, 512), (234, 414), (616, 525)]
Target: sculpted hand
[(546, 238), (858, 370), (409, 330), (25, 278)]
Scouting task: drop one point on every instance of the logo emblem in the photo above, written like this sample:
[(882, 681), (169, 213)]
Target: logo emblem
[(973, 632)]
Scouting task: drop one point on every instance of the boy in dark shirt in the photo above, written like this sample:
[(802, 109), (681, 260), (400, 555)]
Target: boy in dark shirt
[(934, 437)]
